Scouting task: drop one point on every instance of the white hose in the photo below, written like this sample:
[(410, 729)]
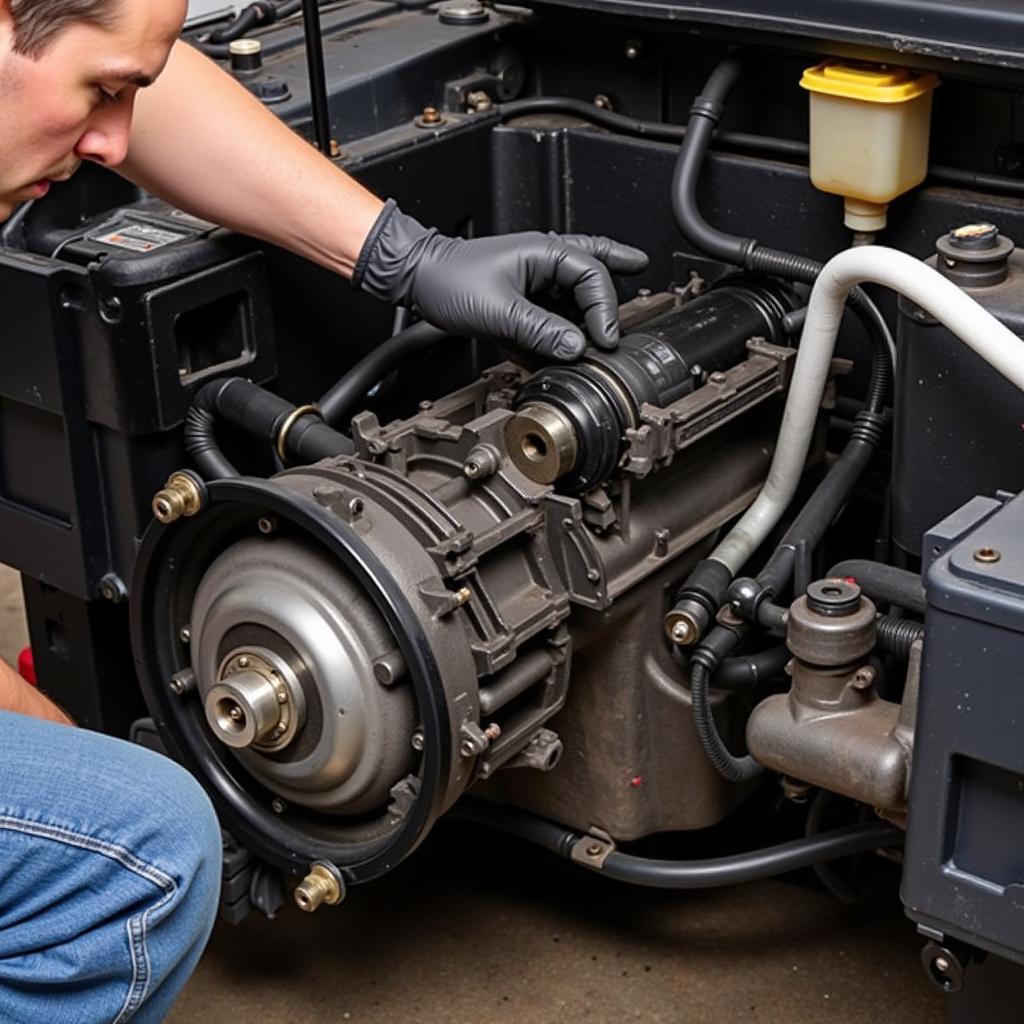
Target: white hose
[(972, 324)]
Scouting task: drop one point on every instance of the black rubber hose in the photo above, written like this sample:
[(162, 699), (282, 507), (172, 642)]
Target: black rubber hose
[(754, 865), (343, 396), (201, 442), (883, 582), (708, 873), (261, 12), (259, 414), (730, 767), (825, 502), (751, 669)]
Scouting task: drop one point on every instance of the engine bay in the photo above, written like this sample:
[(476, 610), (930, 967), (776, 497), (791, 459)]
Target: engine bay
[(356, 574)]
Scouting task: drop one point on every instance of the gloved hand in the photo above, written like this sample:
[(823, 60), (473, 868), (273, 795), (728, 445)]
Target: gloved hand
[(480, 286)]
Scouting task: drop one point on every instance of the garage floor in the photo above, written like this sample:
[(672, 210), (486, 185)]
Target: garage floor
[(477, 926)]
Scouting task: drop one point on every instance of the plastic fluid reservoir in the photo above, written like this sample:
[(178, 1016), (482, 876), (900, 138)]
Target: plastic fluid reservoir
[(869, 134)]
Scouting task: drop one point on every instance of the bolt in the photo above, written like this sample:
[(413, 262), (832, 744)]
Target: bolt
[(182, 682), (987, 555), (941, 964), (235, 714), (185, 634), (472, 470), (717, 377), (278, 806), (182, 495), (322, 885), (266, 524), (593, 575), (492, 732), (479, 101), (633, 49), (355, 507), (863, 678), (417, 740), (335, 149), (430, 115), (463, 596), (466, 749), (602, 102), (243, 662), (794, 789), (682, 632), (595, 850)]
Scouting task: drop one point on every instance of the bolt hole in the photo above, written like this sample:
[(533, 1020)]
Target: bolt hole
[(535, 448)]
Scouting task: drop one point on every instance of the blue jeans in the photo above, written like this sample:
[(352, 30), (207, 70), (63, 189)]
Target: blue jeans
[(110, 860)]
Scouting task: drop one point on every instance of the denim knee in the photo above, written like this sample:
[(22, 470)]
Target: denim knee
[(113, 858)]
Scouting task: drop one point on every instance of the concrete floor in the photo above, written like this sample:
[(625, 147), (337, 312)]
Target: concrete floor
[(477, 926)]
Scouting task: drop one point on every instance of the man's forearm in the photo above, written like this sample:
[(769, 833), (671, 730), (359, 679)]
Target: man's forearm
[(203, 142), (17, 695)]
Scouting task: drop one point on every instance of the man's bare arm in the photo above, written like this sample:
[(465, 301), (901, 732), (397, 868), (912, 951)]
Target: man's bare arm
[(17, 695), (203, 142)]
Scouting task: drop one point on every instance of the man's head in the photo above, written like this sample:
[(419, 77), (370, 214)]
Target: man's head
[(69, 72)]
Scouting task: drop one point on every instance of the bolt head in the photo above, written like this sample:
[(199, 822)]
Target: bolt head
[(185, 634), (987, 555), (594, 850), (941, 964), (278, 806), (266, 525), (863, 678), (177, 687), (682, 632), (417, 740)]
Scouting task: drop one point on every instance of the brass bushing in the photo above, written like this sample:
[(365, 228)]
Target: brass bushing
[(541, 443), (322, 885), (180, 496)]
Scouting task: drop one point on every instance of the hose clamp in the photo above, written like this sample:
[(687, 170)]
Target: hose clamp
[(290, 420)]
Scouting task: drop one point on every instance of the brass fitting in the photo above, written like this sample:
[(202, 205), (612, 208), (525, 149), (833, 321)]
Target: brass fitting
[(323, 884), (182, 495)]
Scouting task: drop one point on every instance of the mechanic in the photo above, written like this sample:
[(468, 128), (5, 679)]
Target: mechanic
[(111, 854)]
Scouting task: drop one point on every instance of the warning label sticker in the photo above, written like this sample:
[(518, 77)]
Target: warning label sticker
[(139, 237)]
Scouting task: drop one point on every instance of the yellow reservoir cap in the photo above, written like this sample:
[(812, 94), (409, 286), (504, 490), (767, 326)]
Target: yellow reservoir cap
[(873, 83)]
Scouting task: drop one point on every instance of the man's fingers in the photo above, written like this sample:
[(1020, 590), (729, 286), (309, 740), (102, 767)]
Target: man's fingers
[(537, 330), (591, 285), (619, 258)]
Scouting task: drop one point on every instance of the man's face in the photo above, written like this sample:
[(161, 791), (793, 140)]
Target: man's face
[(74, 101)]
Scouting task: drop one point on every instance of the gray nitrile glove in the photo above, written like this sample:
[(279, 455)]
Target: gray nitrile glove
[(479, 286)]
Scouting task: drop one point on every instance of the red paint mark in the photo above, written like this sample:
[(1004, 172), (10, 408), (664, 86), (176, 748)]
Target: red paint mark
[(26, 666), (852, 580), (637, 780)]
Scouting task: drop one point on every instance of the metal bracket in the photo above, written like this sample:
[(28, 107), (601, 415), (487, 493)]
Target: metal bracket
[(593, 849)]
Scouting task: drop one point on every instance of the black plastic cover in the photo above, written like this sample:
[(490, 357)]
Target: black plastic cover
[(977, 31), (964, 862)]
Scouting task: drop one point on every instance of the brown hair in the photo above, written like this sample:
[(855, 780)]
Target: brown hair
[(38, 22)]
